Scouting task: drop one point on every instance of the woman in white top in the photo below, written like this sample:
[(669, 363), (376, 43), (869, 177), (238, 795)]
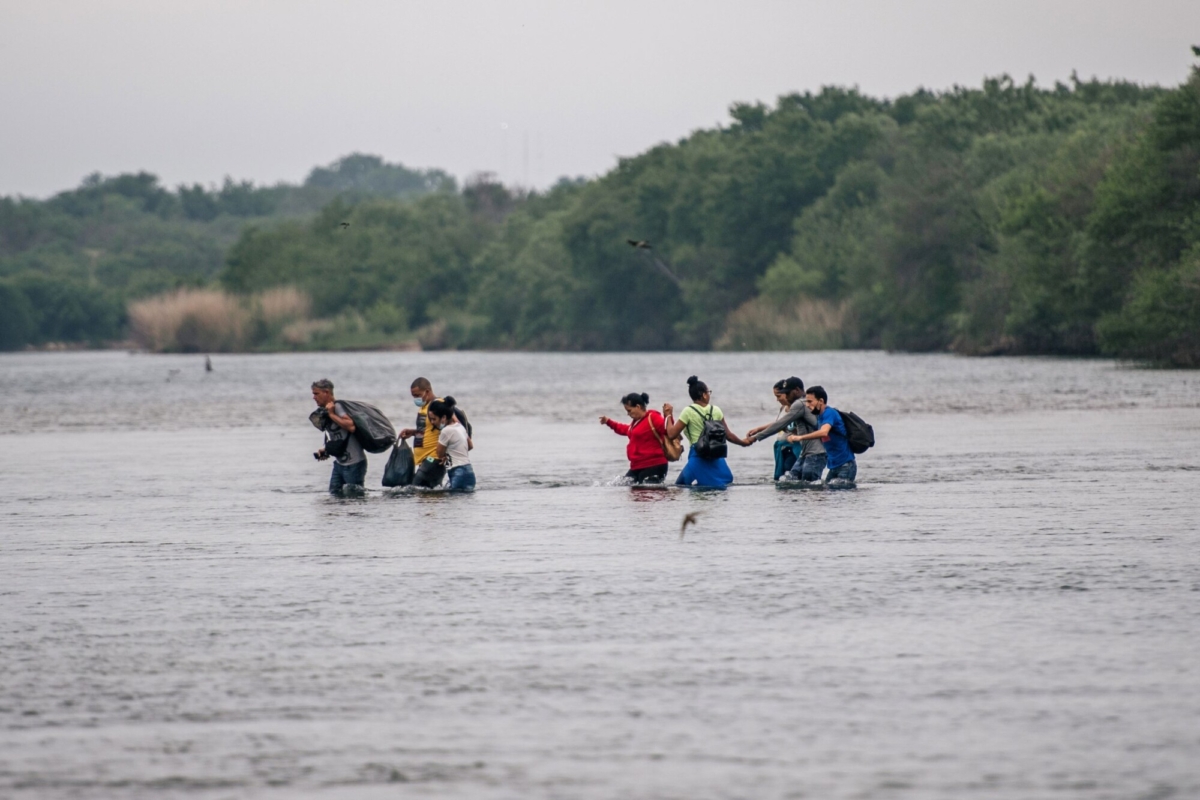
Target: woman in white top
[(454, 445)]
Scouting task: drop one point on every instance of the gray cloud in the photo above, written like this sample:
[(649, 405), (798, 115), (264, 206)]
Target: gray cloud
[(531, 90)]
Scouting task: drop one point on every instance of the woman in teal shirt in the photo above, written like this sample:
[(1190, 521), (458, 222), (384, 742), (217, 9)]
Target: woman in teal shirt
[(700, 470)]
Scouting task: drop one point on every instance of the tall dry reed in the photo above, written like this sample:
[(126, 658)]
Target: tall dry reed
[(807, 324), (190, 321), (277, 307)]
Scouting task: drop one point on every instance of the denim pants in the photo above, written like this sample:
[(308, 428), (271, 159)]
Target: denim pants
[(350, 475), (846, 473), (462, 479), (809, 468)]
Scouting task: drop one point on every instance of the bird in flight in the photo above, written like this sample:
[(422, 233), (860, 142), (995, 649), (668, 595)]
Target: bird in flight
[(345, 225), (688, 519), (641, 243)]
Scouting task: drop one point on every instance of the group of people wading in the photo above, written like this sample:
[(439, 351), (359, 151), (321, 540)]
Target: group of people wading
[(810, 436), (441, 448)]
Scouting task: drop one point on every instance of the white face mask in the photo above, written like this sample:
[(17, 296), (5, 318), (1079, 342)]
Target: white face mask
[(419, 402)]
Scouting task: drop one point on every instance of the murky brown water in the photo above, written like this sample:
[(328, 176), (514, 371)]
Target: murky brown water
[(1007, 607)]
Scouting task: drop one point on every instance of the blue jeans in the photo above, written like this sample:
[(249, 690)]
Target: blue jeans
[(809, 468), (352, 475), (462, 479), (846, 473)]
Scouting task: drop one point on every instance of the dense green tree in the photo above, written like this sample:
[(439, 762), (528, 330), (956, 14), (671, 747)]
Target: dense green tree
[(17, 326), (1006, 218)]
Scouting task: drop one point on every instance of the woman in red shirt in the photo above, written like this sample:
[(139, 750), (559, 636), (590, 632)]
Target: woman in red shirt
[(647, 463)]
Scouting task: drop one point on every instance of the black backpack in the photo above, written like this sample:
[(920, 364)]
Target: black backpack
[(859, 435), (711, 442)]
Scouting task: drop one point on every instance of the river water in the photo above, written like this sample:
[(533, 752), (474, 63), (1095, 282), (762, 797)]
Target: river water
[(1007, 606)]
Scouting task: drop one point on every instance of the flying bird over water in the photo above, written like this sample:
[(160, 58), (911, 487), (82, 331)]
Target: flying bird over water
[(345, 225), (688, 519), (644, 246)]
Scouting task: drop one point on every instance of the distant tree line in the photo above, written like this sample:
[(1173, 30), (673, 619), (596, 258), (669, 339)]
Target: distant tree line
[(1002, 219), (69, 265)]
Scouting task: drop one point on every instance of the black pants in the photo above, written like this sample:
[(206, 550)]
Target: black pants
[(648, 474)]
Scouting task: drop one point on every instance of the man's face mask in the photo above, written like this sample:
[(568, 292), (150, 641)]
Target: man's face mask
[(419, 402)]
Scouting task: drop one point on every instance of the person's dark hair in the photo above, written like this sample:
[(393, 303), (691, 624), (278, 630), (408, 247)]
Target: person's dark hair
[(421, 383), (792, 384), (443, 408), (635, 399), (819, 393), (778, 387), (324, 384), (696, 388)]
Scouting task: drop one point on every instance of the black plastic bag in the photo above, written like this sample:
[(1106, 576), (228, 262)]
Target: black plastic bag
[(430, 474), (373, 430), (399, 470)]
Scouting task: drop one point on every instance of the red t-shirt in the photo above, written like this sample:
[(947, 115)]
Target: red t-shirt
[(643, 450)]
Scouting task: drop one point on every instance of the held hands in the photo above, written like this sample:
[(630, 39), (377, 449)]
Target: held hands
[(668, 410)]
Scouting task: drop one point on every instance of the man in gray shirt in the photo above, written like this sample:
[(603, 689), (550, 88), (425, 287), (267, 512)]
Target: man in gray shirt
[(349, 468), (798, 419)]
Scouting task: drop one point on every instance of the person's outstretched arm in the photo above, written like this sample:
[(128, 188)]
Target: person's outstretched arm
[(620, 428), (758, 434), (819, 433), (733, 437)]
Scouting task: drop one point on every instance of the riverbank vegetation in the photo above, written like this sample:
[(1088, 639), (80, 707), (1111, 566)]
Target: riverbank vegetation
[(1009, 218)]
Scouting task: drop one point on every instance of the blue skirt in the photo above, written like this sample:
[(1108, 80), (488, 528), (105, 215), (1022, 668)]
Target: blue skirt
[(712, 472)]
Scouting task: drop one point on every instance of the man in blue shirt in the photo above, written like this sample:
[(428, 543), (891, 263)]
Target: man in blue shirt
[(831, 430)]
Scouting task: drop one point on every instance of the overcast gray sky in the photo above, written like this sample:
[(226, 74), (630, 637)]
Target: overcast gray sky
[(528, 89)]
